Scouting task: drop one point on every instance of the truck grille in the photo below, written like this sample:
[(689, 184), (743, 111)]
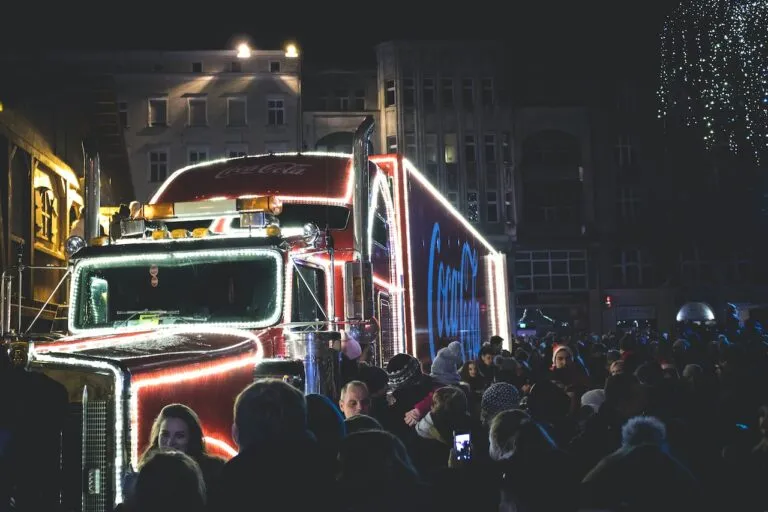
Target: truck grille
[(97, 457)]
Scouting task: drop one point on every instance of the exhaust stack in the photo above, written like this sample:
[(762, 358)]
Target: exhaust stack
[(360, 204), (92, 196)]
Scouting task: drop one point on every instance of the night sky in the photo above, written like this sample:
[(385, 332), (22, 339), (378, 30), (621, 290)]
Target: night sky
[(545, 33)]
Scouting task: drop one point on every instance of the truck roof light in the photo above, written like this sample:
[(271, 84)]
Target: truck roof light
[(157, 211), (272, 230), (160, 234), (180, 233), (200, 232), (269, 204), (100, 241)]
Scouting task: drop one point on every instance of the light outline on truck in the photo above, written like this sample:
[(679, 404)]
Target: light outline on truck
[(157, 257), (180, 375), (497, 292), (396, 268), (344, 200), (119, 404)]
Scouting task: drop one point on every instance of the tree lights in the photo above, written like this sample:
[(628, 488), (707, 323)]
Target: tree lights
[(714, 72)]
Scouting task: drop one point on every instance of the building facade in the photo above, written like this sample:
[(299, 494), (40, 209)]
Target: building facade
[(445, 106), (335, 103), (182, 108)]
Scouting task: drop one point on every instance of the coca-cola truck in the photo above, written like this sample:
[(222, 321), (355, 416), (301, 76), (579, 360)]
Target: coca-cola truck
[(248, 267)]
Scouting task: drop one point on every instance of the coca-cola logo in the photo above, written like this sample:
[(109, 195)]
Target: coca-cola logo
[(280, 168)]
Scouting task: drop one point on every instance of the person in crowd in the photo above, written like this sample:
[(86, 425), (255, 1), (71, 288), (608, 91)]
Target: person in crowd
[(270, 428), (486, 366), (445, 367), (641, 474), (410, 394), (377, 475), (326, 423), (168, 480), (178, 427), (361, 422), (499, 397), (354, 399)]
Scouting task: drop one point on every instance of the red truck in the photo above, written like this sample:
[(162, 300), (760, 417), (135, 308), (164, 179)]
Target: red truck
[(256, 266)]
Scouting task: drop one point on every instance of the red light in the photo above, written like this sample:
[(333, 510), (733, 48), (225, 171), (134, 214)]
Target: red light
[(608, 301)]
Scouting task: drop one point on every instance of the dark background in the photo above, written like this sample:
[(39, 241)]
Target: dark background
[(569, 35)]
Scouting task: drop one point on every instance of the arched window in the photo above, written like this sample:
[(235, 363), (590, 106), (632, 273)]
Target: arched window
[(46, 208), (336, 142)]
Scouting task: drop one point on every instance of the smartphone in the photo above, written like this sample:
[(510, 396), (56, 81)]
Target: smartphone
[(462, 442)]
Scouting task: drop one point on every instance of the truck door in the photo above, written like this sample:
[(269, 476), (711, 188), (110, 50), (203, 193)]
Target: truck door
[(386, 347)]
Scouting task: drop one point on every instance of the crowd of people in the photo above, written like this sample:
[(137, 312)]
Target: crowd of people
[(558, 423)]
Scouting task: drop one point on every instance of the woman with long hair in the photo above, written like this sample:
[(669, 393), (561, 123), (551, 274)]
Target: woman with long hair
[(178, 427)]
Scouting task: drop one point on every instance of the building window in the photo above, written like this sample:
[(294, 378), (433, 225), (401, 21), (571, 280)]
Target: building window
[(237, 111), (446, 92), (491, 177), (409, 92), (197, 155), (492, 206), (451, 162), (392, 144), (632, 268), (198, 111), (470, 149), (624, 153), (470, 159), (158, 112), (341, 101), (487, 92), (236, 67), (390, 96), (237, 150), (430, 156), (468, 92), (324, 101), (506, 148), (122, 113), (629, 203), (696, 265), (360, 99), (428, 92), (410, 146), (489, 143), (197, 67), (276, 146), (473, 206), (450, 148), (453, 198), (158, 166), (509, 206), (274, 66), (550, 270), (275, 112)]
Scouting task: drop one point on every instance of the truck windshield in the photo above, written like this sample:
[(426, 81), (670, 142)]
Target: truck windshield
[(238, 287)]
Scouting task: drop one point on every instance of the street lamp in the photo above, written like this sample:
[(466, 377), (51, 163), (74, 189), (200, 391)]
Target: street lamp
[(243, 51), (291, 51)]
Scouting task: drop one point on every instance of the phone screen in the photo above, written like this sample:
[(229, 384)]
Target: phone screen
[(462, 445)]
